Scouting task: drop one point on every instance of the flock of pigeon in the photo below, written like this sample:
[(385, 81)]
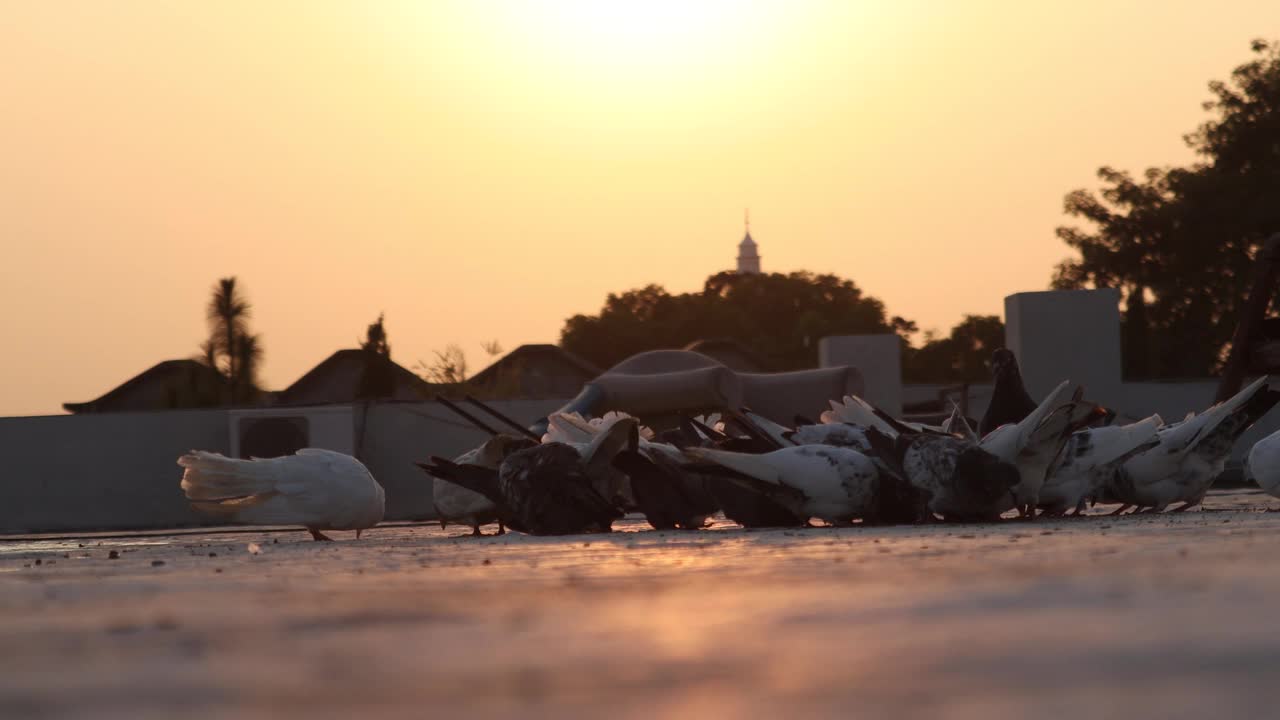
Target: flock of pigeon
[(856, 463)]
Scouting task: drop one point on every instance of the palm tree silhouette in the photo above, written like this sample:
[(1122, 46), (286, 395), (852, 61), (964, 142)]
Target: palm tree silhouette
[(231, 349), (228, 315)]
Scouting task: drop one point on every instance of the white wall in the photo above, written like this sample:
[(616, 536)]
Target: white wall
[(118, 471), (101, 472), (877, 357), (1066, 335), (1075, 335)]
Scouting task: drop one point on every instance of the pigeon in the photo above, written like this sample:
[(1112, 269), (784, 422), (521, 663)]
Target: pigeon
[(775, 432), (456, 504), (857, 411), (669, 496), (957, 479), (837, 434), (549, 489), (1090, 457), (1033, 443), (1010, 402), (957, 424), (317, 489), (853, 410), (830, 483), (1263, 464), (578, 432), (1190, 455), (741, 504)]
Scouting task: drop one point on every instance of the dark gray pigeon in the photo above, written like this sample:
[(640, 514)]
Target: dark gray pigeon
[(1010, 402), (548, 489)]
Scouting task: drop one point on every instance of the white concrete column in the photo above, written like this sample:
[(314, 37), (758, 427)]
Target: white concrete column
[(877, 357), (1066, 335)]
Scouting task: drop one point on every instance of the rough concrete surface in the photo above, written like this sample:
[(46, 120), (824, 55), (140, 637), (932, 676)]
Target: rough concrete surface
[(1165, 616)]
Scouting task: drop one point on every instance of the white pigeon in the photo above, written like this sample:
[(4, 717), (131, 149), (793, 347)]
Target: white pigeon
[(1032, 444), (1263, 464), (1090, 457), (832, 483), (777, 433), (456, 504), (838, 434), (1190, 455), (856, 411), (958, 426), (317, 489)]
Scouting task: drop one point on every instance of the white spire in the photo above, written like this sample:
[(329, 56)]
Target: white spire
[(748, 257)]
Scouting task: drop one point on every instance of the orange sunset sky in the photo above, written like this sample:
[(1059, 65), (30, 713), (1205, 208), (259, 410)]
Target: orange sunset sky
[(483, 169)]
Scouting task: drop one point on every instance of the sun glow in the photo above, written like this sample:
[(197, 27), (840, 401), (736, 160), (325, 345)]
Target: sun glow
[(639, 32), (639, 46)]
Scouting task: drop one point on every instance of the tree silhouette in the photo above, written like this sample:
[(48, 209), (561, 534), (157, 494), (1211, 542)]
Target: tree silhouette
[(228, 316), (448, 368), (248, 356), (377, 379), (375, 338), (231, 349), (1179, 242), (780, 316), (960, 357)]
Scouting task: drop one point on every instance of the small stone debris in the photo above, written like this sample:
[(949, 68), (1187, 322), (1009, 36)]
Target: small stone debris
[(157, 563), (39, 561), (217, 570), (113, 555), (255, 549), (487, 561), (213, 554)]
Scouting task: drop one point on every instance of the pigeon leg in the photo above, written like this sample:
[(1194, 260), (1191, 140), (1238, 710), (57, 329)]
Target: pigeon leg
[(502, 530), (475, 531), (1120, 509), (319, 536)]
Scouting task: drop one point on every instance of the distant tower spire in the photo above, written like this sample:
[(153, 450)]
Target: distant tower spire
[(748, 256)]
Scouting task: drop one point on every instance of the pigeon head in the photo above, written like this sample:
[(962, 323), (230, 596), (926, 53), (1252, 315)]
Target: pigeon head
[(983, 476), (1003, 363)]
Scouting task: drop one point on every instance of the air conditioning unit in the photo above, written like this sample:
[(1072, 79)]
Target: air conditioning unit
[(283, 431)]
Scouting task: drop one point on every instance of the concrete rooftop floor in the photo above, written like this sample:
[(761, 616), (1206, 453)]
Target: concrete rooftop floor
[(1163, 616)]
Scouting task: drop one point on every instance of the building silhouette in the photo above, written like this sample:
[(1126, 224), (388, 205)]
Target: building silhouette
[(748, 254)]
